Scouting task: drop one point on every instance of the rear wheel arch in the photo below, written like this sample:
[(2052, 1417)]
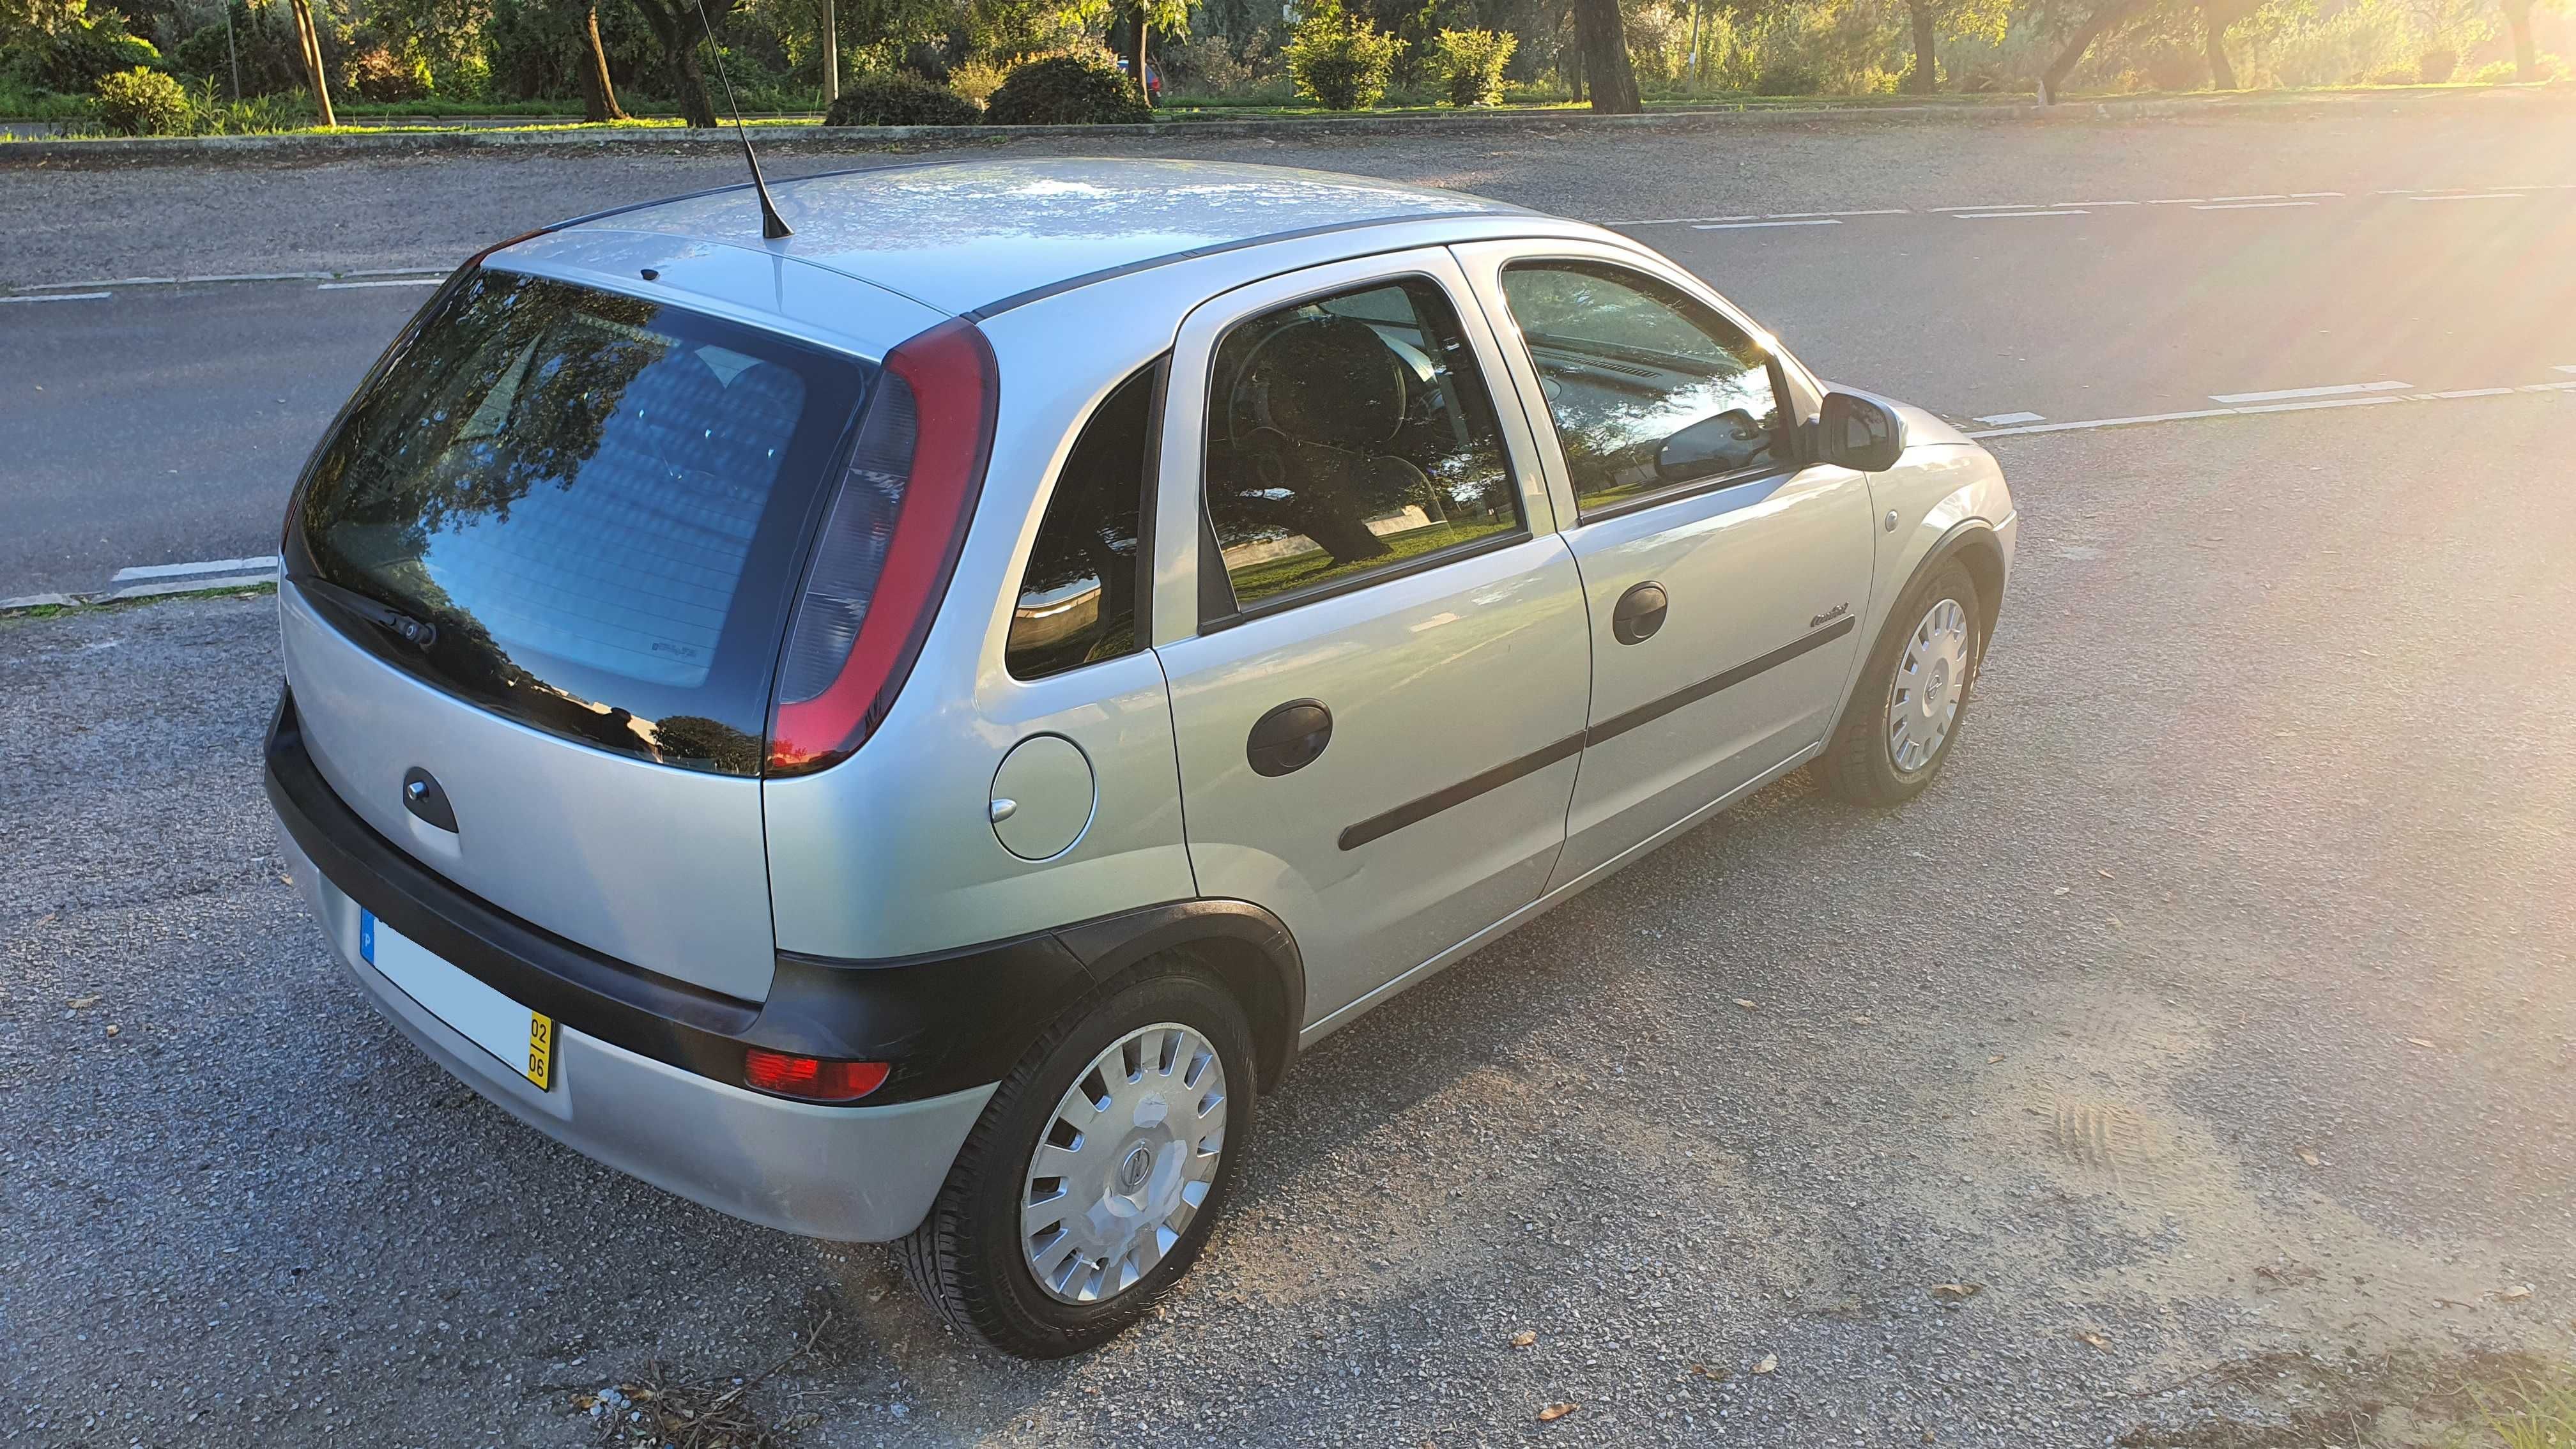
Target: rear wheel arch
[(1241, 946)]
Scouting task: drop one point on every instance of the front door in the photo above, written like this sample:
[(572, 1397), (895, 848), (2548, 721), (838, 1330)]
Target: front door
[(1725, 583), (1379, 667)]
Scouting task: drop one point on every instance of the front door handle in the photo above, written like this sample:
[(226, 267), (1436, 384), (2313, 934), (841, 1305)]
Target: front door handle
[(1639, 613), (1289, 737)]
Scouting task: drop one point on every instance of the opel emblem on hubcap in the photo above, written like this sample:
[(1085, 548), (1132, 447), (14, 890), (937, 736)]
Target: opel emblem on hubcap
[(1131, 1173)]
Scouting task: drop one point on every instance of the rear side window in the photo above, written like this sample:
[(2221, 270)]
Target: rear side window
[(1349, 436), (1077, 602), (597, 504)]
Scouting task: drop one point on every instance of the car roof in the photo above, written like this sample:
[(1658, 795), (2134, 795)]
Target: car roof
[(977, 237)]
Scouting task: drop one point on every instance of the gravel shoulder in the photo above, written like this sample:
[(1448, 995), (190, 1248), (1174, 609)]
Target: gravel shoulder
[(432, 208), (2213, 1007)]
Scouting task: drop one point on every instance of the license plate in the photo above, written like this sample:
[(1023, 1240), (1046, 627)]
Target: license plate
[(522, 1040)]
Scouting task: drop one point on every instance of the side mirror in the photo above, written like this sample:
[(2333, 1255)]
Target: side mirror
[(1859, 432)]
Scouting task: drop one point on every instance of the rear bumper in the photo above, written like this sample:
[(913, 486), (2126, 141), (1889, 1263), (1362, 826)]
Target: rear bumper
[(854, 1174)]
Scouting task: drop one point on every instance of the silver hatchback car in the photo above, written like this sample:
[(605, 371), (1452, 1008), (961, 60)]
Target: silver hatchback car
[(905, 730)]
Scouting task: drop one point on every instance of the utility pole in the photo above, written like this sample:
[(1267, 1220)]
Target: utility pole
[(831, 58), (233, 48), (1698, 69)]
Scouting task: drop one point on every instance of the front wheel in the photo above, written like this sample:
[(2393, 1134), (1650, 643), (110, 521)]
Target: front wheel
[(1091, 1181), (1905, 714)]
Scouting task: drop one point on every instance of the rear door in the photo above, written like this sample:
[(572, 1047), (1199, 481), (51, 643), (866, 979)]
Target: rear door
[(1725, 582), (1374, 640), (543, 565)]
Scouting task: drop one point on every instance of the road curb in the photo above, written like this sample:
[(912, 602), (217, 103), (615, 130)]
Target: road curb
[(2553, 97)]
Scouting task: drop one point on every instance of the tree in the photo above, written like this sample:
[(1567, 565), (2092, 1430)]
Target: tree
[(310, 40), (2105, 17), (1936, 20), (2526, 54), (1612, 80), (598, 92), (679, 25)]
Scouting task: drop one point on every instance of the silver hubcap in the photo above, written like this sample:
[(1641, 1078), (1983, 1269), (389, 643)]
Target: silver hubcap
[(1931, 681), (1124, 1164)]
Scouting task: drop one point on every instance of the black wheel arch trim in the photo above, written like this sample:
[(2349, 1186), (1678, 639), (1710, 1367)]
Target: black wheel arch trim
[(944, 1020), (1966, 535)]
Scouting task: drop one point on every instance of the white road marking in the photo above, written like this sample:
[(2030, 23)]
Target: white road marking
[(2246, 205), (1746, 225), (2565, 367), (2004, 419), (2307, 405), (1883, 211), (400, 282), (2472, 196), (180, 570), (2264, 196), (2178, 201), (2000, 215), (2097, 203), (63, 297), (2337, 390), (2317, 194)]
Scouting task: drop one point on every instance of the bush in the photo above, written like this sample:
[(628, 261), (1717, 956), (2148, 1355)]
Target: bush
[(1787, 78), (2395, 75), (377, 74), (74, 60), (1068, 90), (1341, 60), (2493, 73), (901, 100), (142, 102), (2435, 67), (976, 80), (1471, 63)]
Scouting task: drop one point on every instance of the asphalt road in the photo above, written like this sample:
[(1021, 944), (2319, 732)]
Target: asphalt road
[(2210, 1016), (164, 424)]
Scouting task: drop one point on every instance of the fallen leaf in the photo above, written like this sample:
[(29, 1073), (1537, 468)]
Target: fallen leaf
[(1990, 1061), (1861, 1021), (1525, 1338), (1747, 1005), (2092, 1338), (47, 918), (1554, 1412), (2106, 875), (2419, 1041), (1770, 1361), (1957, 1292), (83, 1003), (2115, 923), (2061, 890), (1715, 1375), (2516, 1293), (2310, 1158)]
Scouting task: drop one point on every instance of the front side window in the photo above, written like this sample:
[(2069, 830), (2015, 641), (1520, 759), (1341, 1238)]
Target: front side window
[(1649, 388), (1077, 601), (1347, 436)]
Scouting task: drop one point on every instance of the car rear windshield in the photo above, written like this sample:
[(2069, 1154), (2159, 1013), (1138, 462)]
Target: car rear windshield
[(581, 510)]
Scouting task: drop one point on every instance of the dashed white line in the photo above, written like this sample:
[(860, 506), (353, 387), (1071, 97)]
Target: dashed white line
[(2097, 203), (1987, 206), (2473, 196), (2001, 215), (2007, 419), (2312, 404), (2564, 367), (2335, 390), (397, 282), (1749, 225), (207, 566), (63, 297), (2246, 205), (2263, 196), (2178, 201)]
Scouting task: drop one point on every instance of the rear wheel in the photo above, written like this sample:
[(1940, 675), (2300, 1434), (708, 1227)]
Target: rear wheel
[(1096, 1172), (1904, 716)]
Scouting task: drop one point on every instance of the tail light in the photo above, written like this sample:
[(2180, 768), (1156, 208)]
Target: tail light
[(809, 1077), (889, 543)]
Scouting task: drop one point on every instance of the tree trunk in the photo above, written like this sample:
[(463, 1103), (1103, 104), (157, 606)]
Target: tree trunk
[(310, 40), (598, 92), (2526, 54), (1923, 80), (677, 27), (831, 57), (697, 104), (1136, 63), (2101, 21), (2222, 76), (1605, 58)]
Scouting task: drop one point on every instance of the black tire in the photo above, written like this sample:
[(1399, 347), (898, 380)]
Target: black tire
[(1859, 763), (967, 1256)]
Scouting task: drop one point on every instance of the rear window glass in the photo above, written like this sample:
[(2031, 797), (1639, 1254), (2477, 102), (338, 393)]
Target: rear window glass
[(597, 504)]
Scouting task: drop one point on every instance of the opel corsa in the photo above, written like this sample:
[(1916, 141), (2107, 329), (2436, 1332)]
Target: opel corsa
[(903, 731)]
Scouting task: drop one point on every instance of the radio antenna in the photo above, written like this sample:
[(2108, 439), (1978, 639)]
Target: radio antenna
[(772, 225)]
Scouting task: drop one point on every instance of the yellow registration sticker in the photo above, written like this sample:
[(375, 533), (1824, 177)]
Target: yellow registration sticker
[(541, 1050)]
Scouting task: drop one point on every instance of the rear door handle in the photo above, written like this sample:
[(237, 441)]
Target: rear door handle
[(1289, 737), (1639, 613)]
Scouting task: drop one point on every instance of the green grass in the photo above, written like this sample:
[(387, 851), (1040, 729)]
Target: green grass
[(2535, 1413)]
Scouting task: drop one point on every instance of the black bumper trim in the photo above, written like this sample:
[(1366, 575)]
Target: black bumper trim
[(944, 1021)]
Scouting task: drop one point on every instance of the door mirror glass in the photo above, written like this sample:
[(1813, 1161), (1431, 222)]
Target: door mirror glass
[(1859, 432)]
